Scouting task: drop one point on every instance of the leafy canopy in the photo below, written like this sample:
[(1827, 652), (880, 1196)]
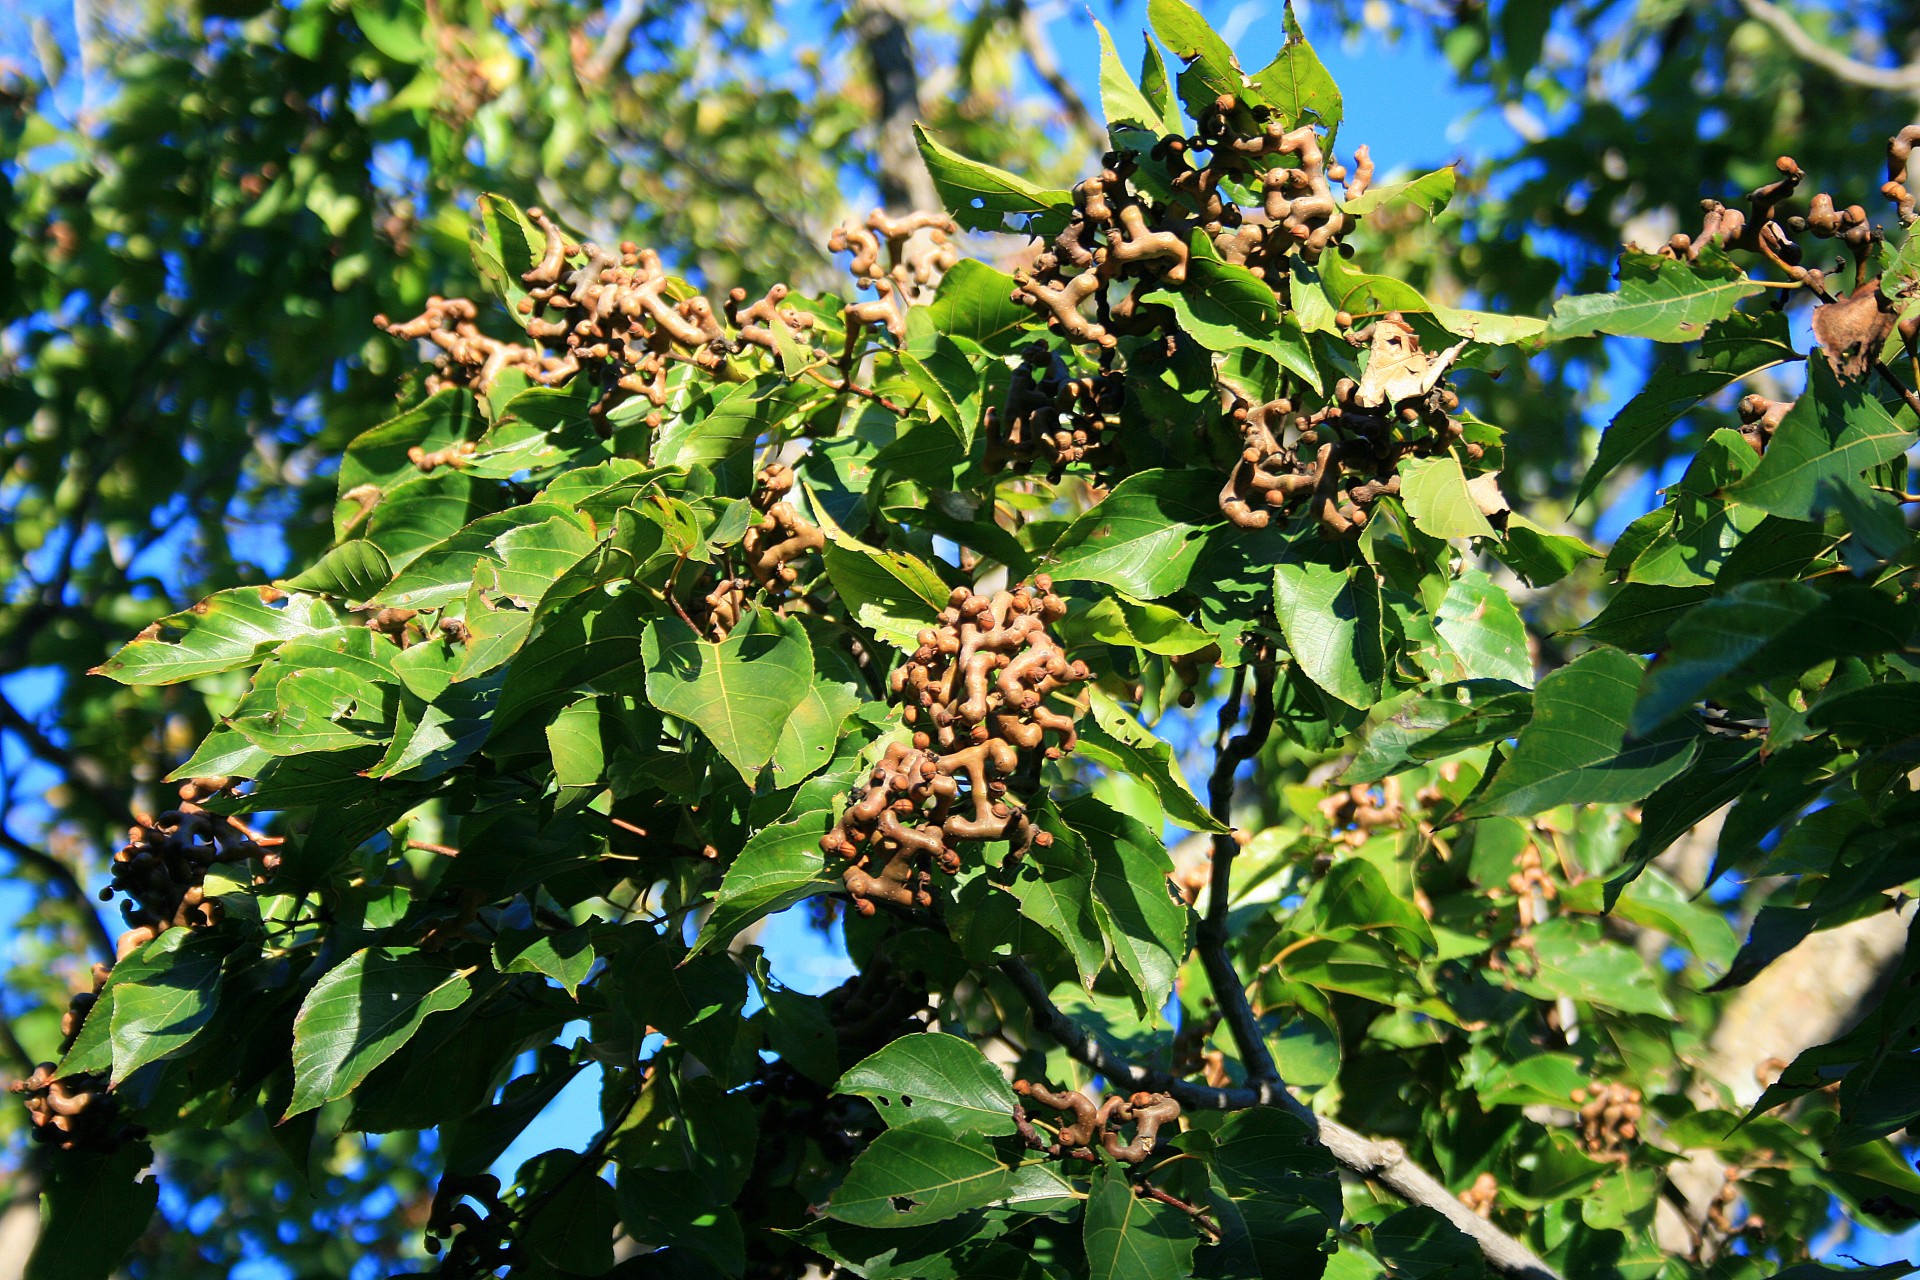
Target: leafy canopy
[(665, 613)]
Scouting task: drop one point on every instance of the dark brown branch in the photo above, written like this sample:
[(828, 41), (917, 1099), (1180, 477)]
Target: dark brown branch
[(1382, 1162), (1231, 753)]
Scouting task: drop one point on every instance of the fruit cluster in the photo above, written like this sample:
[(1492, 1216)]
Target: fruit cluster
[(1094, 1127), (973, 693)]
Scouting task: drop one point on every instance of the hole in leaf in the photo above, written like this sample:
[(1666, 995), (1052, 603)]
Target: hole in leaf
[(905, 1101), (902, 1204)]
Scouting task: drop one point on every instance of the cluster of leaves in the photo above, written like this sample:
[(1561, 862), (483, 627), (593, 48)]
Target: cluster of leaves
[(523, 776)]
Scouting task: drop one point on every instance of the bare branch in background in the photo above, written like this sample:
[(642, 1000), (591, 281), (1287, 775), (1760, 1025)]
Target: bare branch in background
[(1777, 20), (881, 29)]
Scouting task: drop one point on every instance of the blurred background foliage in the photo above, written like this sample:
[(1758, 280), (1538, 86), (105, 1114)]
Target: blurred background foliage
[(202, 207)]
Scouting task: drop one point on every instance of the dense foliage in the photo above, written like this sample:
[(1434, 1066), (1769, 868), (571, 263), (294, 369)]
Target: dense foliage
[(661, 612)]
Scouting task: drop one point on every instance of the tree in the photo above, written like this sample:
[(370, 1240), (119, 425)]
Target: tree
[(668, 612)]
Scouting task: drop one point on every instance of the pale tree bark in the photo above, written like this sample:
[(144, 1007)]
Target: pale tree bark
[(1813, 994), (880, 27)]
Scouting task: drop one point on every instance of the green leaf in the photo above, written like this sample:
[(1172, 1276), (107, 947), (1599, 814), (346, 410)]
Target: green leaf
[(916, 1174), (1144, 536), (670, 1210), (1540, 557), (1733, 347), (892, 594), (1429, 193), (1212, 70), (1332, 621), (1121, 98), (1297, 85), (567, 957), (975, 302), (1483, 632), (169, 999), (360, 1013), (738, 692), (574, 1229), (1225, 307), (505, 245), (1574, 961), (1833, 433), (1053, 885), (1575, 750), (812, 731), (1129, 1237), (1759, 631), (1117, 620), (736, 416), (779, 866), (352, 571), (1149, 930), (980, 196), (92, 1209), (934, 1076), (1115, 738), (1436, 496), (226, 630), (1661, 298)]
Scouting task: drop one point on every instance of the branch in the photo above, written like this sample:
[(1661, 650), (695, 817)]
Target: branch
[(1046, 65), (1228, 990), (82, 771), (63, 876), (1383, 1162), (881, 28), (1842, 67), (614, 45)]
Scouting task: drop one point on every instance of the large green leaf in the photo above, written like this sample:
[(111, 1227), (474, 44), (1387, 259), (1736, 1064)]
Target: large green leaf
[(166, 997), (1436, 495), (1144, 536), (1665, 299), (893, 594), (1297, 85), (919, 1173), (1332, 620), (360, 1012), (1149, 925), (1733, 347), (978, 195), (1575, 750), (1834, 432), (226, 630), (934, 1076), (93, 1207), (779, 866), (739, 692), (1129, 1237), (1212, 70), (975, 302), (1121, 98), (1113, 737)]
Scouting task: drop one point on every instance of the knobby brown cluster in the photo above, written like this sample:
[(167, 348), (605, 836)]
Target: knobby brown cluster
[(1336, 461), (1851, 325), (1609, 1118), (162, 871), (1534, 893), (974, 695), (1094, 1127), (1048, 416), (1116, 232), (1355, 812), (618, 318), (1482, 1196)]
